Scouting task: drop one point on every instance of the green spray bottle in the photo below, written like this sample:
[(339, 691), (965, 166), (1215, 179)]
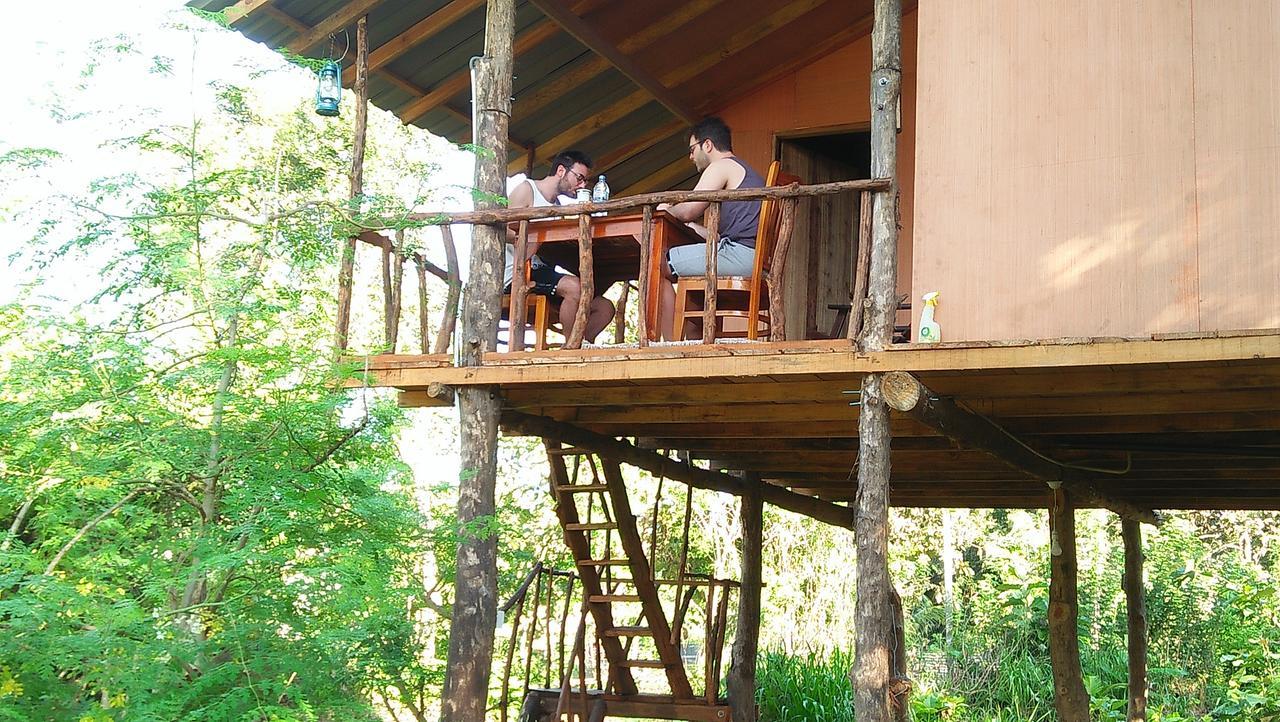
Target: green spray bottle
[(930, 331)]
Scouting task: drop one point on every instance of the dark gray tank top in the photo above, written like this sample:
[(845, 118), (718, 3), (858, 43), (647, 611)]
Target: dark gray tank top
[(740, 219)]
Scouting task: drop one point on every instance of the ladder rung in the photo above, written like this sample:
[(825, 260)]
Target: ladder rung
[(581, 488), (628, 632), (592, 526), (645, 663), (569, 451), (604, 562), (600, 598)]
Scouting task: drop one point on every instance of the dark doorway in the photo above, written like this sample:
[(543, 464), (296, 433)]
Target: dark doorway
[(824, 243)]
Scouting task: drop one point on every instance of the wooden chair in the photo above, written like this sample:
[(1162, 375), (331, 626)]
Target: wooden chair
[(537, 315), (737, 296)]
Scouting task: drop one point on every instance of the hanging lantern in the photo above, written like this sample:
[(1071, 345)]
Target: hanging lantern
[(328, 89)]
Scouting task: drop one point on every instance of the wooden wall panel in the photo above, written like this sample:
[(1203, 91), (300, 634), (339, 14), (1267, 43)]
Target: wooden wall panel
[(1055, 191), (832, 92), (1237, 66)]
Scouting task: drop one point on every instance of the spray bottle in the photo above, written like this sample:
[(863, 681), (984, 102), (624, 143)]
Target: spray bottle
[(930, 331)]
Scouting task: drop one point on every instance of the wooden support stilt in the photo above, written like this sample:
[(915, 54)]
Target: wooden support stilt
[(1136, 605), (873, 613), (465, 694), (874, 639), (1070, 696), (346, 269), (746, 639)]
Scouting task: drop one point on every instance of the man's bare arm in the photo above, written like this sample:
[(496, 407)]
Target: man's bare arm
[(714, 178), (521, 197)]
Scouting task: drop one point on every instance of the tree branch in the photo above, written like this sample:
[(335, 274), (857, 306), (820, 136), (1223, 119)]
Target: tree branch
[(57, 559)]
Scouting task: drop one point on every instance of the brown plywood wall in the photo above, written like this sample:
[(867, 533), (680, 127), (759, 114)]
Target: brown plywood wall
[(1097, 167), (831, 93), (1237, 104)]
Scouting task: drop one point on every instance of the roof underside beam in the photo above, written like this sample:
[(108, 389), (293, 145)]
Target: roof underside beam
[(738, 42), (347, 14), (308, 36), (560, 12), (245, 9)]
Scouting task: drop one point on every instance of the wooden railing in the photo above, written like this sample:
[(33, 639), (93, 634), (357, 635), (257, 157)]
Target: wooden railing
[(394, 257), (541, 657)]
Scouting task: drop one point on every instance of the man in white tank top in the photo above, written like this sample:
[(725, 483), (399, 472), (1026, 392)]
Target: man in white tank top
[(569, 172)]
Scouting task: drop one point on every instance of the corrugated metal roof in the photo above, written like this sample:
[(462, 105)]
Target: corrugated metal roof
[(713, 52)]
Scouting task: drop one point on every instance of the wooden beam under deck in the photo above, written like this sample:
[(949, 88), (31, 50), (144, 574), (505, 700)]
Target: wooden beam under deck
[(794, 359), (1193, 423)]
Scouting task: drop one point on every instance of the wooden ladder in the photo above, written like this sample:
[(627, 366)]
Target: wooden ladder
[(596, 572)]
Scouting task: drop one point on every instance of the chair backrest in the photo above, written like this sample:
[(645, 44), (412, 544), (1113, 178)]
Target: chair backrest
[(770, 219)]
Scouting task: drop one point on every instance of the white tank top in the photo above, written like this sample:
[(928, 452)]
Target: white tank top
[(538, 202)]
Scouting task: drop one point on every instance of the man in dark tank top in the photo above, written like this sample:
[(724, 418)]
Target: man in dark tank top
[(711, 150)]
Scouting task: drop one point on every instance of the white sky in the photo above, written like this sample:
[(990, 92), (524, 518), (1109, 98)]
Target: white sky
[(55, 40), (55, 106)]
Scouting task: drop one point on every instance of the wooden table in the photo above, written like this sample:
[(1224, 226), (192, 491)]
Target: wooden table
[(615, 242)]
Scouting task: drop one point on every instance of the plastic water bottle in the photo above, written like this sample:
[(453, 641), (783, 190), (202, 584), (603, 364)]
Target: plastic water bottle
[(600, 193)]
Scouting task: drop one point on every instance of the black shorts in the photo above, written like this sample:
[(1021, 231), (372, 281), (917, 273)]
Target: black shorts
[(545, 280)]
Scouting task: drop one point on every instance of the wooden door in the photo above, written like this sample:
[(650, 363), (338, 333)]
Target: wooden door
[(824, 242)]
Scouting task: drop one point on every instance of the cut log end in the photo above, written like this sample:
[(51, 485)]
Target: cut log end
[(901, 391)]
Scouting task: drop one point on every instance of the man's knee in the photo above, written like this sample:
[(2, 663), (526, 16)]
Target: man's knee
[(568, 287)]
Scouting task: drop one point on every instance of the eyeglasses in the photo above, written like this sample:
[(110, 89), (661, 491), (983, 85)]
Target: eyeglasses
[(581, 178), (696, 145)]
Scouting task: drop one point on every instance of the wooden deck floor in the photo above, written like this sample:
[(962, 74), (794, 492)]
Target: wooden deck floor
[(1191, 422)]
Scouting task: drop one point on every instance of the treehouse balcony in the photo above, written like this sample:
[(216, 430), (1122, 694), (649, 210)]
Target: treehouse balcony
[(1096, 208), (1101, 228)]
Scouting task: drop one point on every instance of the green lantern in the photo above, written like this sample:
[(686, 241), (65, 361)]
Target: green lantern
[(328, 89)]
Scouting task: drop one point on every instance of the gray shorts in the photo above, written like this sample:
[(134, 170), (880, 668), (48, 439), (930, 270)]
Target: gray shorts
[(732, 259)]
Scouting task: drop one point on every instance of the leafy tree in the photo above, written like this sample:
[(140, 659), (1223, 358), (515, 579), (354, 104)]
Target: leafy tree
[(200, 522)]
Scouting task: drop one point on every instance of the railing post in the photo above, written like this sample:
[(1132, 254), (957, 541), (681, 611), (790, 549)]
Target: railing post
[(519, 291), (708, 641), (449, 322), (586, 279), (858, 298), (778, 266), (646, 240), (709, 298), (420, 265)]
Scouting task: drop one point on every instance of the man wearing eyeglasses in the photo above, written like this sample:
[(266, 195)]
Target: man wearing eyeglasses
[(711, 150), (570, 171)]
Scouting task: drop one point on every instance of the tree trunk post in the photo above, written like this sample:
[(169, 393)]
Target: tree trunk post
[(1070, 696), (475, 606), (346, 269), (874, 639), (1136, 605), (746, 638), (900, 683)]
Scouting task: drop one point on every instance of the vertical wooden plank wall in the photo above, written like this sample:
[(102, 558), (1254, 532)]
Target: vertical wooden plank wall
[(1237, 68), (1098, 167), (830, 93)]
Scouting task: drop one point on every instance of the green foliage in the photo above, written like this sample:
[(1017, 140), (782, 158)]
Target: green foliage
[(204, 526), (813, 687)]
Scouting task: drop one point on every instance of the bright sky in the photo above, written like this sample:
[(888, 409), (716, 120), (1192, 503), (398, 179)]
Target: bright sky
[(56, 105), (53, 104)]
